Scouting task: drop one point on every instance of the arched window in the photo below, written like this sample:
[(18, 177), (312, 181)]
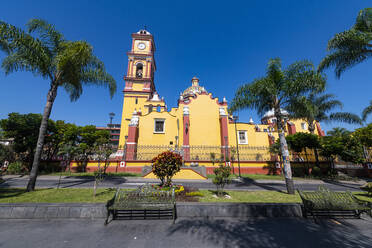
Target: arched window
[(158, 108), (139, 70), (136, 100)]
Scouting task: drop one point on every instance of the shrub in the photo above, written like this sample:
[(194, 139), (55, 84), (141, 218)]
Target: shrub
[(194, 193), (299, 170), (316, 171), (165, 166), (15, 168), (222, 178)]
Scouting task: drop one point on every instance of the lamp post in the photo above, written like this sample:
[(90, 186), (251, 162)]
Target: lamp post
[(110, 127), (235, 118)]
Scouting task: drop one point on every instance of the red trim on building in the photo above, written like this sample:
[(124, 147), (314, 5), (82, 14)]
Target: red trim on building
[(319, 129), (291, 128), (186, 136), (224, 134), (132, 142)]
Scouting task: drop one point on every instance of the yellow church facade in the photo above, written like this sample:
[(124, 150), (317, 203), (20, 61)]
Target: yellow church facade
[(199, 128)]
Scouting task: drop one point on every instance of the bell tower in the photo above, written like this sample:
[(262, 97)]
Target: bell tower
[(139, 80)]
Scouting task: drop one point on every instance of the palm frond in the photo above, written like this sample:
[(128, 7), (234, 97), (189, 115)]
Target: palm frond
[(26, 48), (346, 117), (350, 47), (367, 111), (47, 32)]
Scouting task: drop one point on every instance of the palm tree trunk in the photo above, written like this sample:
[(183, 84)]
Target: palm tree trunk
[(52, 93), (312, 131), (285, 153)]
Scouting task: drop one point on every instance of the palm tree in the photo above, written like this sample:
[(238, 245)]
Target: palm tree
[(350, 47), (367, 111), (314, 108), (275, 91), (44, 51), (338, 132)]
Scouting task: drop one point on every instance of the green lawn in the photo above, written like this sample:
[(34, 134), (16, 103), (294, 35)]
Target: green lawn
[(91, 174), (86, 196)]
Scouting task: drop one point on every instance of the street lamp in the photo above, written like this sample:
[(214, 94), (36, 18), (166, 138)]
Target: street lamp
[(235, 118), (110, 127)]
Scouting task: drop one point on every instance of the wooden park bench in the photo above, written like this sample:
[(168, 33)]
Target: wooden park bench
[(145, 202), (326, 203)]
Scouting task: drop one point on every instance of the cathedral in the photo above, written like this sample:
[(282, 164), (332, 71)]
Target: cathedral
[(200, 127)]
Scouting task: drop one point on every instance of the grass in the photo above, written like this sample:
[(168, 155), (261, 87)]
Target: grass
[(91, 174), (86, 196), (55, 195)]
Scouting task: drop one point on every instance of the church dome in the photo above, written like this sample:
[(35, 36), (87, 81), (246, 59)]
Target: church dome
[(143, 31), (194, 89)]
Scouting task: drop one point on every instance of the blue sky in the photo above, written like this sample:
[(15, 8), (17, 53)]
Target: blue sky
[(224, 43)]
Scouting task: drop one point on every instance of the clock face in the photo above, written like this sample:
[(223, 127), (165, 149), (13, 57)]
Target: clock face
[(141, 46)]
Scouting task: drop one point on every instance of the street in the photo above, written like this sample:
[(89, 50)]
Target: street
[(188, 233), (245, 184)]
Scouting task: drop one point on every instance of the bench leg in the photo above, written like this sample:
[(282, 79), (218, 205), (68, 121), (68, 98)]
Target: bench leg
[(108, 216)]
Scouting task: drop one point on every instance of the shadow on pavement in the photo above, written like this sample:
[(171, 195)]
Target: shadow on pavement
[(248, 182), (273, 233)]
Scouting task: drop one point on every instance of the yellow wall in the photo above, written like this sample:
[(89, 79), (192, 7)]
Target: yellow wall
[(147, 136), (204, 121)]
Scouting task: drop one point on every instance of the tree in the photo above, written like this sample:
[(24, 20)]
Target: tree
[(44, 51), (165, 166), (364, 135), (350, 47), (338, 131), (23, 128), (275, 91), (299, 142), (315, 107), (348, 147)]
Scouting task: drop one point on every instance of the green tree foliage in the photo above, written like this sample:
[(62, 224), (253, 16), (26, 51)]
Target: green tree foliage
[(6, 154), (44, 51), (24, 129), (364, 135), (298, 142), (338, 131), (165, 166), (346, 146), (352, 46), (276, 91), (315, 107)]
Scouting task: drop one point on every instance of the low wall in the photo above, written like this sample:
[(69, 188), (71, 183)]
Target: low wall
[(184, 210)]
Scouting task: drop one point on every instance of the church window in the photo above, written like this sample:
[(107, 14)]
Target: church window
[(303, 126), (159, 126), (139, 70), (136, 100), (158, 109), (242, 137)]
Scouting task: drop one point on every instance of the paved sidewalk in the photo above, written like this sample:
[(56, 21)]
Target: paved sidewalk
[(186, 233)]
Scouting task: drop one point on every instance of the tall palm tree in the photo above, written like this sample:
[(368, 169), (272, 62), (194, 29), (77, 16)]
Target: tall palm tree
[(44, 51), (275, 91), (315, 107), (367, 111), (352, 46)]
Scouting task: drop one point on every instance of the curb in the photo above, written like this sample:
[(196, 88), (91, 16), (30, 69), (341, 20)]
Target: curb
[(185, 210)]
